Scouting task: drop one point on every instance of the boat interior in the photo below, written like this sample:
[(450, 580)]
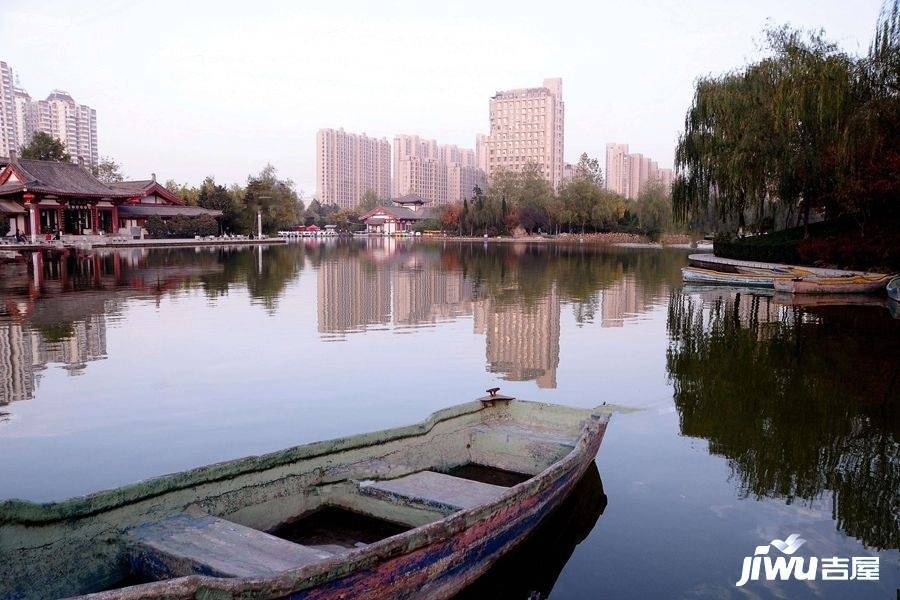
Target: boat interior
[(261, 516)]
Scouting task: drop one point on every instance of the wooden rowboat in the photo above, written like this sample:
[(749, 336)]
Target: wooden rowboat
[(708, 276), (415, 512), (848, 284), (717, 263), (893, 288)]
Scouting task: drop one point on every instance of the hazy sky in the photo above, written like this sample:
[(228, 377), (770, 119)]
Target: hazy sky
[(187, 89)]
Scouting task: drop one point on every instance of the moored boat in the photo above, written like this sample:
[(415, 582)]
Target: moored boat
[(708, 276), (893, 288), (847, 284), (413, 512), (718, 263)]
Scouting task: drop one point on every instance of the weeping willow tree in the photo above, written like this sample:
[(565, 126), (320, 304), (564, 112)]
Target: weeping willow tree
[(798, 130), (871, 150), (722, 155)]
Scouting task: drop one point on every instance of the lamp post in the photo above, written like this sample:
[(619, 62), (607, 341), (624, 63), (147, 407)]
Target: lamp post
[(259, 216)]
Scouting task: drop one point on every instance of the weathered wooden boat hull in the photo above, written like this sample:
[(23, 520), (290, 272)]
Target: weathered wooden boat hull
[(718, 263), (89, 543), (710, 277), (532, 568), (444, 568), (853, 284), (893, 289)]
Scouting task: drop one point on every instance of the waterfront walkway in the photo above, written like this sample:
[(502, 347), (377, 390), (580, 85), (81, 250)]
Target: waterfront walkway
[(88, 242)]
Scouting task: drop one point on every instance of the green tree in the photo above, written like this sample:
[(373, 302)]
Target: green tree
[(532, 200), (156, 228), (589, 168), (181, 226), (608, 211), (345, 219), (579, 196), (654, 211), (44, 146), (485, 213), (189, 194), (108, 171), (431, 224), (313, 212), (274, 198), (370, 200), (213, 196), (870, 156), (463, 219), (806, 128)]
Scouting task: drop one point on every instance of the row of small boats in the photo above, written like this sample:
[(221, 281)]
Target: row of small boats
[(707, 269)]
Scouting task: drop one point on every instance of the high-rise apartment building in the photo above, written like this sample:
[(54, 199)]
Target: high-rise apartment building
[(25, 115), (348, 165), (528, 126), (617, 168), (438, 173), (666, 178), (8, 138), (638, 174), (481, 153), (75, 125), (628, 174)]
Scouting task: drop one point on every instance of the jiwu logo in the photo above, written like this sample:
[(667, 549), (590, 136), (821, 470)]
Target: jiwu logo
[(784, 567), (780, 568)]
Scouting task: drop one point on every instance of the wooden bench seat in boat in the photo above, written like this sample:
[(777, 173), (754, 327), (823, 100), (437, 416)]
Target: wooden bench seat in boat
[(527, 434), (436, 490), (519, 448), (187, 545)]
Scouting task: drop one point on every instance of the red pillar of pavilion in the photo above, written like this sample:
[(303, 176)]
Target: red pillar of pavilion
[(95, 219), (32, 222), (115, 219)]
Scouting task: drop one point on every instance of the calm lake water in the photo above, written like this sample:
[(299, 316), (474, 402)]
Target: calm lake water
[(760, 417)]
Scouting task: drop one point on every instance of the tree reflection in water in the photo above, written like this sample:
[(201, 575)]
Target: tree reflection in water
[(801, 401)]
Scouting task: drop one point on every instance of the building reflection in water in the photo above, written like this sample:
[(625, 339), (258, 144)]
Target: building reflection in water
[(25, 352), (54, 308), (622, 299), (351, 297), (522, 340), (513, 295)]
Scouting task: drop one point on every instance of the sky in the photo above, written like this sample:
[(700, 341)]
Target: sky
[(190, 89)]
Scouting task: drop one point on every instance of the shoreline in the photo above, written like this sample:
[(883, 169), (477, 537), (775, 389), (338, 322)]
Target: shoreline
[(167, 243), (175, 243), (590, 239), (614, 240)]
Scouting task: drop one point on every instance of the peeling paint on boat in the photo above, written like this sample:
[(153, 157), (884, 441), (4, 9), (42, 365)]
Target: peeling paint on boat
[(82, 544)]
